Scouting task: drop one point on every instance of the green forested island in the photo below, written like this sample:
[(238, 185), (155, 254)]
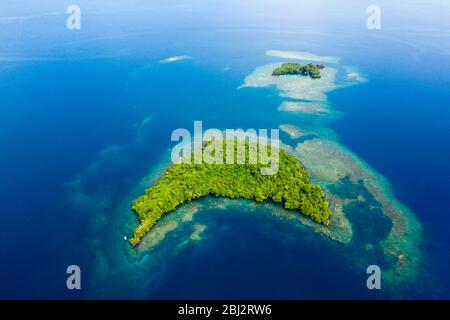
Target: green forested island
[(290, 186), (292, 68)]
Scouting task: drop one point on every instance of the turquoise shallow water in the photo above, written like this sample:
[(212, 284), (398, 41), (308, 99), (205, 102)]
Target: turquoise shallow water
[(83, 121)]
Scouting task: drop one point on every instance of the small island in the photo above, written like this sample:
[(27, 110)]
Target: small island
[(181, 183), (292, 68)]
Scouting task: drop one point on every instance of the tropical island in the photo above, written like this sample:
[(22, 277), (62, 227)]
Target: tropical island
[(292, 68), (181, 183)]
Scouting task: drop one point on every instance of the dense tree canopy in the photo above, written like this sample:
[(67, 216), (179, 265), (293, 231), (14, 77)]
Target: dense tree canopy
[(290, 186), (313, 70)]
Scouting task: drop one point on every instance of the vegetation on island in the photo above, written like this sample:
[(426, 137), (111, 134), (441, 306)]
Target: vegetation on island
[(180, 183), (292, 68)]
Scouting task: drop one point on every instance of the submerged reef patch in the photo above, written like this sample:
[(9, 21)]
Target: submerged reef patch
[(305, 56), (328, 161), (314, 108), (292, 131)]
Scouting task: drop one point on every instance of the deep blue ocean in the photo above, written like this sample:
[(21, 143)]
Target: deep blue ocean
[(93, 110)]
